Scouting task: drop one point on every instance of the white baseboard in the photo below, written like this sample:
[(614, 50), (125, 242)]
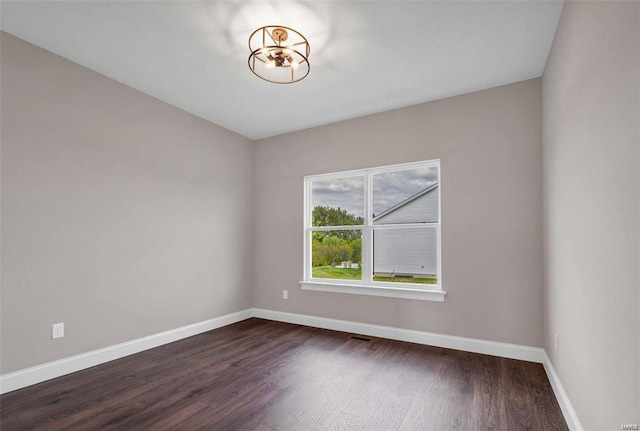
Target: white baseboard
[(563, 399), (40, 373), (513, 351)]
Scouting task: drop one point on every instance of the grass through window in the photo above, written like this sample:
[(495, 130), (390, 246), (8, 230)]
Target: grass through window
[(340, 273), (356, 274)]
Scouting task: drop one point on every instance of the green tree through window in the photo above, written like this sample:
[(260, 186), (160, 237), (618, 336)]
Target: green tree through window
[(332, 247)]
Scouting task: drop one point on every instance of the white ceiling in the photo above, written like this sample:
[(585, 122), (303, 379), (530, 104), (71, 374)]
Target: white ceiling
[(366, 56)]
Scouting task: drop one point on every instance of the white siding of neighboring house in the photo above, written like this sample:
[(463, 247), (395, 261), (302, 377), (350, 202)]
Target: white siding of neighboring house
[(423, 209), (405, 252), (408, 251)]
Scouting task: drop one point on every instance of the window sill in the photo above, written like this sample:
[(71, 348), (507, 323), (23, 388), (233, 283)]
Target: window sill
[(361, 289)]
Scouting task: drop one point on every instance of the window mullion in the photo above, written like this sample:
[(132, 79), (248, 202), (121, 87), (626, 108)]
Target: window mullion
[(367, 233), (325, 228), (433, 225)]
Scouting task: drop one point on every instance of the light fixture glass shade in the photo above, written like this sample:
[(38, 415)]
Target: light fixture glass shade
[(279, 54)]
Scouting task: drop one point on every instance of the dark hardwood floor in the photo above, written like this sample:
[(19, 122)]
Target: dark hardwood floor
[(264, 375)]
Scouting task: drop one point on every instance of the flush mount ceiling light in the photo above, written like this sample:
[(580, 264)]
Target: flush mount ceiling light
[(279, 54)]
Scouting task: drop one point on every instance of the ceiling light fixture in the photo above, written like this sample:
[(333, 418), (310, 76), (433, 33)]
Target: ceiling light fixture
[(279, 54)]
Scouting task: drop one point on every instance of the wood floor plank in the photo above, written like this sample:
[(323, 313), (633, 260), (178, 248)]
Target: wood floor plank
[(519, 408), (545, 404), (401, 394), (488, 396), (382, 375), (272, 376), (456, 410), (346, 422), (425, 407)]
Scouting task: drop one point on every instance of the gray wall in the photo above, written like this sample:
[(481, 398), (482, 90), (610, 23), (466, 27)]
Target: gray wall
[(490, 148), (121, 215), (591, 210)]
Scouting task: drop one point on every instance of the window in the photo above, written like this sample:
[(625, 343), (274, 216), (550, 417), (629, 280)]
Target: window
[(375, 232)]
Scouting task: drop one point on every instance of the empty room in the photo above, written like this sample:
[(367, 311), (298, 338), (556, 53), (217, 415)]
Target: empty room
[(320, 215)]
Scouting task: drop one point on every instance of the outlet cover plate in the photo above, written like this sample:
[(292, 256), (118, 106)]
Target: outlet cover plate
[(57, 330)]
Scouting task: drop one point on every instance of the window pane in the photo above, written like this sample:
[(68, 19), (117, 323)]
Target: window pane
[(405, 255), (406, 196), (337, 202), (336, 254)]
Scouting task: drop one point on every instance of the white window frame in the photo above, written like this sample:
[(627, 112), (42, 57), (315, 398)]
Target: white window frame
[(366, 286)]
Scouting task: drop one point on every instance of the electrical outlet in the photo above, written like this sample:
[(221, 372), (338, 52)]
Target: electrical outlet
[(557, 340), (57, 330), (285, 294)]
